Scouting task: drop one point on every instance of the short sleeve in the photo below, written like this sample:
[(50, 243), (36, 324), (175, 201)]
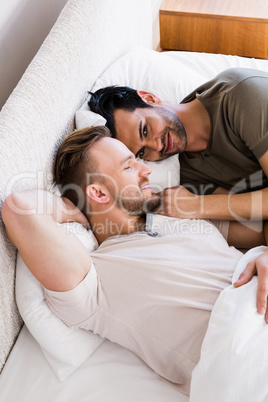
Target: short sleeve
[(249, 103), (77, 305)]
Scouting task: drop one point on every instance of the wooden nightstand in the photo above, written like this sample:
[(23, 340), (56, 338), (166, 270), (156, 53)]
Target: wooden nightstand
[(237, 27)]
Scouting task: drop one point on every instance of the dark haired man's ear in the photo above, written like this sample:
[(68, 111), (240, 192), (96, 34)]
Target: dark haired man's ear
[(98, 193), (149, 98)]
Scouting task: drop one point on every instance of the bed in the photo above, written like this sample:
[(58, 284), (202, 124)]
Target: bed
[(87, 49)]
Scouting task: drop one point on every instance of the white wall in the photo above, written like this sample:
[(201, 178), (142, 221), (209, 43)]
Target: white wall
[(24, 24), (156, 4)]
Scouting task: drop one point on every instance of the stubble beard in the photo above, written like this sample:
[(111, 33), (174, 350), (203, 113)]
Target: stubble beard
[(174, 125), (139, 206)]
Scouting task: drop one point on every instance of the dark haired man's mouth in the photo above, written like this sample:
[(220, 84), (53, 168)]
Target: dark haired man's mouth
[(169, 143)]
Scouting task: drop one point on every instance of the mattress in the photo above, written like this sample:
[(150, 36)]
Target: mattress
[(111, 374)]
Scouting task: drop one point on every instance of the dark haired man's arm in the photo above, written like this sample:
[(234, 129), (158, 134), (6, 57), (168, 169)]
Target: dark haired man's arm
[(243, 211)]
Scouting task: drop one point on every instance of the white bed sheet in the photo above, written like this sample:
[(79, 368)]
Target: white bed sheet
[(234, 358), (111, 374)]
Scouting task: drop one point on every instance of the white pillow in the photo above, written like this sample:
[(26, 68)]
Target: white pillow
[(165, 173), (143, 69), (86, 118), (65, 348)]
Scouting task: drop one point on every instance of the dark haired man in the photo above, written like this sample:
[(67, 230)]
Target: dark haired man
[(219, 130), (153, 281)]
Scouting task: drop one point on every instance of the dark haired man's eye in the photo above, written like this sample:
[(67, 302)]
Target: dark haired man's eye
[(140, 153)]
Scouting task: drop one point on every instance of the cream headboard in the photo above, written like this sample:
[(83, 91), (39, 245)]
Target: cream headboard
[(87, 37)]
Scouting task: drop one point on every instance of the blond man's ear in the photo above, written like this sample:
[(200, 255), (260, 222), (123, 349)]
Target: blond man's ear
[(98, 193)]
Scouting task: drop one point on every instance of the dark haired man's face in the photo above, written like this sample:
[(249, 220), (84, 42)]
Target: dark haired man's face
[(153, 133)]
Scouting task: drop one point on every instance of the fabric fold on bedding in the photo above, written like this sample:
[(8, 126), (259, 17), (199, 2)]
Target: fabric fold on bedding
[(234, 356)]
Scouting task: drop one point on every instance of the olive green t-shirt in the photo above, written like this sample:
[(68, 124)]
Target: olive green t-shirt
[(237, 103)]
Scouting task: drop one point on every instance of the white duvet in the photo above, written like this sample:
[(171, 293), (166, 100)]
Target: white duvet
[(234, 358)]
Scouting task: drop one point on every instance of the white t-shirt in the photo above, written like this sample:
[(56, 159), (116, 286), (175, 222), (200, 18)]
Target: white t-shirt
[(152, 292)]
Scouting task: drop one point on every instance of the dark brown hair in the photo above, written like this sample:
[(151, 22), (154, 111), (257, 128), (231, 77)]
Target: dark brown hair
[(106, 100)]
